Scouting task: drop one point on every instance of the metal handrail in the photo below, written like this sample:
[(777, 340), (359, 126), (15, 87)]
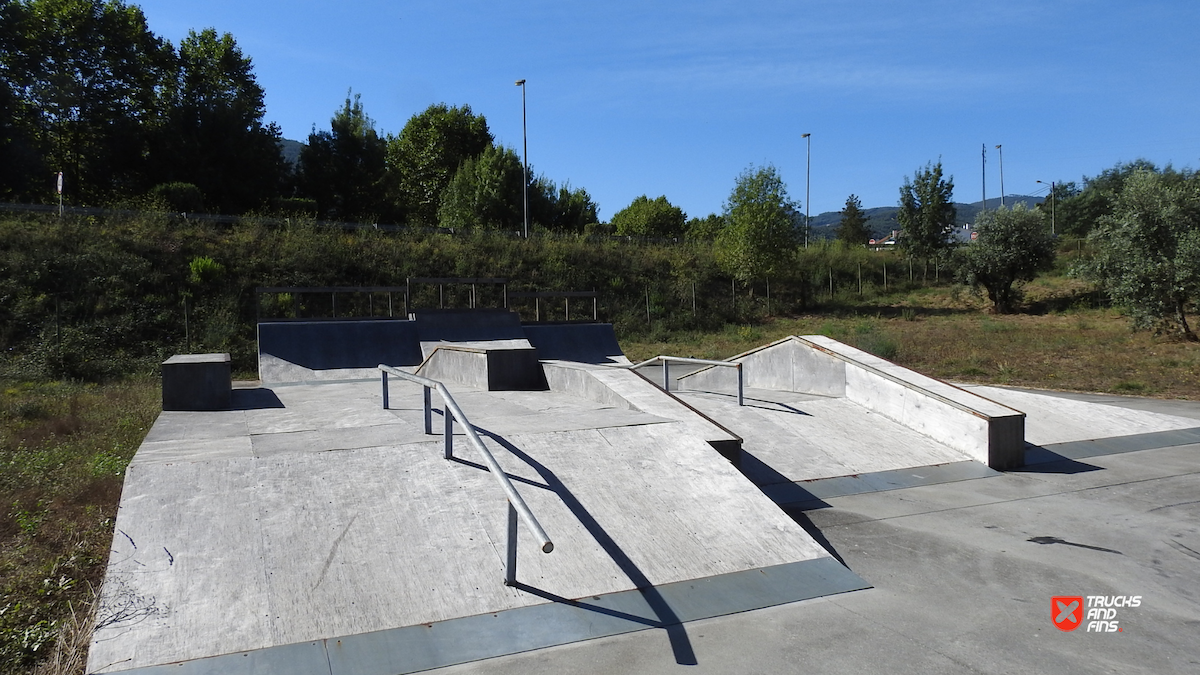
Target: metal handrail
[(666, 368), (451, 411)]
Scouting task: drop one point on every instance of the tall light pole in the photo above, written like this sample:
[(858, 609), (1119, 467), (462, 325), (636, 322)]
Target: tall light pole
[(1051, 205), (524, 157), (1001, 175), (983, 168), (807, 186)]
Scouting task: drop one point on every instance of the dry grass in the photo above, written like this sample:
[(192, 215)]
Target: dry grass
[(63, 452), (950, 335)]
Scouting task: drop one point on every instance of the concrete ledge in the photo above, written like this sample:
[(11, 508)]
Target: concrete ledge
[(504, 369), (196, 382), (984, 430)]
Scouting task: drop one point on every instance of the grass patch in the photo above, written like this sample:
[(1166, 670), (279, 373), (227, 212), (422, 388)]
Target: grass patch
[(63, 452)]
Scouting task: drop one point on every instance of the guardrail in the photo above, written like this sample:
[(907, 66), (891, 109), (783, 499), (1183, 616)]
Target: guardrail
[(666, 370), (451, 411)]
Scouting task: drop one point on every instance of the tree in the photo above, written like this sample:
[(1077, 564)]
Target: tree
[(926, 212), (343, 168), (569, 210), (429, 150), (761, 226), (1149, 250), (90, 77), (1013, 245), (647, 217), (853, 227), (706, 228), (216, 138), (485, 192)]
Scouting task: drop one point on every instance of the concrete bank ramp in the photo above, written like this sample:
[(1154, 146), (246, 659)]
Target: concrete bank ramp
[(309, 530), (978, 428)]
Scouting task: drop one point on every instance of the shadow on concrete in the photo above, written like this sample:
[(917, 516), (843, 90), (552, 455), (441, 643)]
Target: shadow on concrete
[(254, 399), (1041, 460), (1056, 540), (785, 492), (668, 620), (511, 477), (798, 515)]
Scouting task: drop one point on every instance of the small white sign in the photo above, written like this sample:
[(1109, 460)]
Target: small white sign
[(60, 182)]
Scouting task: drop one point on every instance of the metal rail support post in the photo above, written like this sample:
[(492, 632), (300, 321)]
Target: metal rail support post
[(428, 410), (449, 433), (510, 569)]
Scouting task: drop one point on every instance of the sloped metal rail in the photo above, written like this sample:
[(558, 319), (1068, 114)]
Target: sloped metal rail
[(451, 412), (668, 360)]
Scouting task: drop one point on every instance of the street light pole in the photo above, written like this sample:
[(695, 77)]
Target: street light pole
[(1001, 175), (807, 186), (524, 158), (1051, 205)]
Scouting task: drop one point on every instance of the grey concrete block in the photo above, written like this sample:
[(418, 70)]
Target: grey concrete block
[(196, 382)]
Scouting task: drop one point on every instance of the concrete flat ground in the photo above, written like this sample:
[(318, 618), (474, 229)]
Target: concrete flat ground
[(311, 513), (963, 577), (801, 437)]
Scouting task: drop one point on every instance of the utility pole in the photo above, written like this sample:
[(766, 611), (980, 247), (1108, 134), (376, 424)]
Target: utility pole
[(807, 186), (1001, 175), (984, 178)]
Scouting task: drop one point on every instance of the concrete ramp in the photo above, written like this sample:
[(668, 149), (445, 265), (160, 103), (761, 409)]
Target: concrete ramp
[(980, 429), (311, 531), (297, 351), (578, 342)]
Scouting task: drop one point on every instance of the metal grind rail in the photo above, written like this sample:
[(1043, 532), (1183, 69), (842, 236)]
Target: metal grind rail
[(451, 412), (666, 370)]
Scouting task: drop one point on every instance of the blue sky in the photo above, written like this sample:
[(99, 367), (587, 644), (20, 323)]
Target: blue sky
[(678, 98)]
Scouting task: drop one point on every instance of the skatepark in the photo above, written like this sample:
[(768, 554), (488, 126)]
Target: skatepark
[(552, 507)]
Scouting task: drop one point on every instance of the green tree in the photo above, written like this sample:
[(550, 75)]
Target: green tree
[(485, 192), (853, 227), (706, 228), (91, 77), (1149, 250), (568, 210), (926, 212), (647, 217), (760, 235), (343, 168), (216, 138), (429, 150), (1013, 245)]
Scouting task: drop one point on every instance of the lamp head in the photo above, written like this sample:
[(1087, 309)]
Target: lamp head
[(520, 83), (805, 135)]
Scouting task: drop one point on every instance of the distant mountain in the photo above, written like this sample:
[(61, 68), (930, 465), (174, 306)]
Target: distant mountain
[(883, 218), (291, 151)]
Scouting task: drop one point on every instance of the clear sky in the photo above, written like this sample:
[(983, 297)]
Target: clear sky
[(677, 98)]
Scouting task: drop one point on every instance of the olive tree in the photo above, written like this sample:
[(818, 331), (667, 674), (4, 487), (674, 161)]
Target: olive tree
[(1149, 251), (1013, 245)]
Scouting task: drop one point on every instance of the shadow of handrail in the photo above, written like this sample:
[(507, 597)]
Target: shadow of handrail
[(668, 620)]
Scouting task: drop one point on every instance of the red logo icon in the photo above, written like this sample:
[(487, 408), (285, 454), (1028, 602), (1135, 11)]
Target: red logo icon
[(1066, 611)]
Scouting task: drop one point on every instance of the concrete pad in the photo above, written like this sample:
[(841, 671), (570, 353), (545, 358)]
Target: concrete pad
[(963, 587), (358, 525)]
